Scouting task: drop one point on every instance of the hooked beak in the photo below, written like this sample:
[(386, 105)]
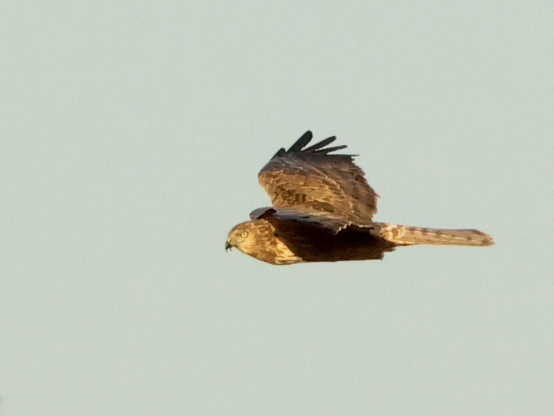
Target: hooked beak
[(228, 246)]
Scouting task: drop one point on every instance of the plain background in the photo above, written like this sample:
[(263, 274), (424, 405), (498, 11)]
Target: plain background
[(131, 136)]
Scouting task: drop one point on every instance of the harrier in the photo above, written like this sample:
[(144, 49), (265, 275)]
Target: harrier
[(322, 210)]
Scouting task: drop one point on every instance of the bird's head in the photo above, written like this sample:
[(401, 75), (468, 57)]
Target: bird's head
[(242, 236)]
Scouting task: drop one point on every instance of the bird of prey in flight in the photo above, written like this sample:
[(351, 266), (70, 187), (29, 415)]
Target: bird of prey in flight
[(322, 210)]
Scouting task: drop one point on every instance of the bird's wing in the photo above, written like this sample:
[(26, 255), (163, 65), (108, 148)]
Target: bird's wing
[(312, 183), (316, 219)]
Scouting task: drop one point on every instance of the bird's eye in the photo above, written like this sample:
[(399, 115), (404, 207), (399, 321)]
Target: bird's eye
[(243, 234)]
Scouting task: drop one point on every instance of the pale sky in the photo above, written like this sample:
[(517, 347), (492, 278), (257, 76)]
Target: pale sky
[(131, 135)]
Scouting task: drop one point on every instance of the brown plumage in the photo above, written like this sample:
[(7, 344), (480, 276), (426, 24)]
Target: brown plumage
[(322, 210)]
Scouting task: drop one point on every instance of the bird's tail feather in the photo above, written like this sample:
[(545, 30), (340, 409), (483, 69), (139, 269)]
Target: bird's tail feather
[(406, 235)]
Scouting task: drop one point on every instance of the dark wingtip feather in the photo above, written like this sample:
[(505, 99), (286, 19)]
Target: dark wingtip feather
[(318, 148), (279, 153), (332, 149), (321, 144), (301, 142)]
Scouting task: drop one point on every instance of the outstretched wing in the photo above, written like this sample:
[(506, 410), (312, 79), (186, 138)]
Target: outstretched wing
[(312, 182)]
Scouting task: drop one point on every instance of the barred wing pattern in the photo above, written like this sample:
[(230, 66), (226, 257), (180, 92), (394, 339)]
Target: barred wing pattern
[(314, 185)]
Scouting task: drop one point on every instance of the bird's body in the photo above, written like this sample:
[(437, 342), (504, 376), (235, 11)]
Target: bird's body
[(323, 211)]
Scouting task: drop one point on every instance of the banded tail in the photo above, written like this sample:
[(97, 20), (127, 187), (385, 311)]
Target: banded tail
[(406, 235)]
